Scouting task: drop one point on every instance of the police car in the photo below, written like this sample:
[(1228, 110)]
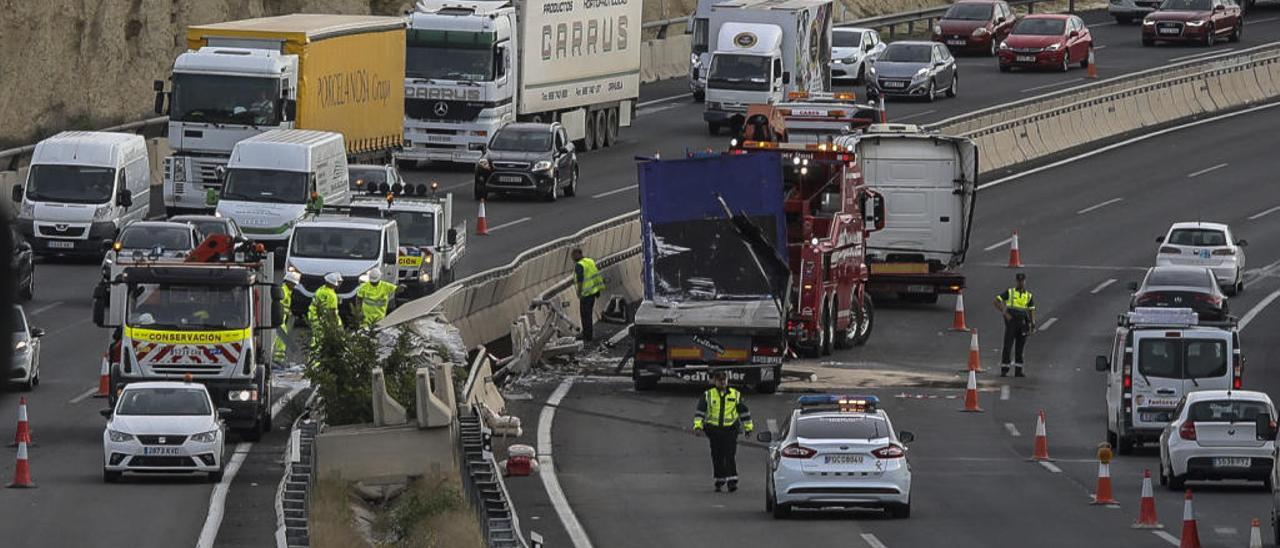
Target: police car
[(837, 451)]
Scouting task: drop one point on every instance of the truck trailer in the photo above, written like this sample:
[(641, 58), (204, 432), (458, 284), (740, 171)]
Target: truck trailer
[(474, 65), (338, 73)]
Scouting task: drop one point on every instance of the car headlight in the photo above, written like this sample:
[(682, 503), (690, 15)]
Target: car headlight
[(544, 165), (424, 277), (693, 59), (1148, 23), (1004, 45), (850, 59), (981, 31), (937, 29), (872, 69), (205, 437), (426, 259), (20, 347), (118, 436), (1053, 47), (1195, 23), (102, 212), (483, 164), (922, 72), (242, 395)]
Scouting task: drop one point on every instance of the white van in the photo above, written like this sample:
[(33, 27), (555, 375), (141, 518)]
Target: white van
[(272, 178), (350, 246), (1159, 356), (81, 188)]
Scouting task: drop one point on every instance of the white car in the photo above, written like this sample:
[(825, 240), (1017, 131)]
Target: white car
[(850, 49), (163, 428), (1211, 245), (1219, 434), (24, 369), (838, 451)]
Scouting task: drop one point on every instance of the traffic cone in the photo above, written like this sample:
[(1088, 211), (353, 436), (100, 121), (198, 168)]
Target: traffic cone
[(1093, 68), (482, 225), (958, 323), (1103, 493), (971, 394), (23, 435), (1255, 534), (1015, 257), (975, 353), (1147, 508), (22, 472), (1041, 452), (884, 114), (104, 379), (1190, 534)]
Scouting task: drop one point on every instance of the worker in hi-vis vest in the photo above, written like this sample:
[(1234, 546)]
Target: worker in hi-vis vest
[(590, 284)]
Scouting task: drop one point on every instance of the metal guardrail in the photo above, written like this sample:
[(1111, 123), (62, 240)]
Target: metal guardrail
[(482, 481), (9, 158)]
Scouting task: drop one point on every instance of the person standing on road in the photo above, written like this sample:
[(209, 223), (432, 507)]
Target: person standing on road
[(590, 285), (281, 350), (324, 304), (374, 295), (1019, 310), (720, 414)]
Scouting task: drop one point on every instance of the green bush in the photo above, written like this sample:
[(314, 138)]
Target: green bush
[(341, 365)]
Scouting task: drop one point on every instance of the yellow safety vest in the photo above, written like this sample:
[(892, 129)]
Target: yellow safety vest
[(1017, 300), (286, 298), (592, 281), (325, 299), (374, 299), (721, 410)]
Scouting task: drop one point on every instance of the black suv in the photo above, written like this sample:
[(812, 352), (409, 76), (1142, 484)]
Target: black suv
[(528, 158)]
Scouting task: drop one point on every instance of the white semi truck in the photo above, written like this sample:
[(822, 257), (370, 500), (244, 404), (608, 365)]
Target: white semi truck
[(473, 65), (764, 50)]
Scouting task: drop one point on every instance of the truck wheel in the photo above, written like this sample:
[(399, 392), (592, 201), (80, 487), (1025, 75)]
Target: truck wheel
[(844, 337), (866, 321), (612, 124), (646, 384), (602, 129), (699, 96), (1125, 447), (589, 141), (828, 330)]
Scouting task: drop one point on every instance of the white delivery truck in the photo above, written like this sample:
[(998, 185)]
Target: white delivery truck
[(765, 49), (473, 65), (83, 186), (699, 27), (272, 180)]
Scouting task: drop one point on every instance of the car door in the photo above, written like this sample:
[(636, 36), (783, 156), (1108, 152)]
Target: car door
[(946, 72), (1079, 44), (564, 166), (1221, 18), (1005, 18)]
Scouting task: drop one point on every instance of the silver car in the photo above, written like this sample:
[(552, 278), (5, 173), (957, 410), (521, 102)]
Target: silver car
[(914, 69), (851, 48), (24, 369)]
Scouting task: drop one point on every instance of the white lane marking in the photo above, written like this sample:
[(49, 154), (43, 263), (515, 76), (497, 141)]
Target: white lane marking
[(218, 499), (1100, 48), (872, 541), (663, 100), (1099, 206), (1000, 243), (1205, 54), (1226, 531), (1102, 286), (1195, 174), (510, 224), (1050, 466), (913, 115), (1168, 538), (91, 391), (1263, 213), (615, 191), (1053, 85), (1004, 392), (458, 185), (44, 308), (1047, 324), (1013, 429), (1252, 21), (1258, 274), (547, 468), (656, 110), (1253, 312), (1124, 143)]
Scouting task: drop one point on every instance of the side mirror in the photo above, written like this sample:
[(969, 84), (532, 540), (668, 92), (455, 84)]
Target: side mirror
[(1265, 427), (221, 173), (37, 332), (868, 46), (106, 413), (390, 257), (906, 436), (290, 109), (17, 194), (999, 19), (568, 147), (1073, 34), (1219, 8), (1133, 286), (1159, 239), (106, 244), (125, 198), (1101, 363), (224, 412), (764, 437), (786, 78), (158, 86), (451, 237), (1242, 243)]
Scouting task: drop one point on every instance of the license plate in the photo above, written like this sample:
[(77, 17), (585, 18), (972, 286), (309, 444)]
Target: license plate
[(1026, 58), (61, 245), (1231, 462), (956, 42), (844, 459), (1168, 31), (895, 84), (1203, 253), (161, 451), (1154, 417), (920, 289), (438, 138), (510, 179)]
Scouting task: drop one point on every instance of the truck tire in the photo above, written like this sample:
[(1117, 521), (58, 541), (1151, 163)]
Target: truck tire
[(602, 128), (646, 384), (844, 337), (828, 330), (612, 124), (866, 321), (589, 140)]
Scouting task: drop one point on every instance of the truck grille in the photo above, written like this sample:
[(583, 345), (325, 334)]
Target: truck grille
[(437, 109), (168, 440), (195, 369), (205, 170)]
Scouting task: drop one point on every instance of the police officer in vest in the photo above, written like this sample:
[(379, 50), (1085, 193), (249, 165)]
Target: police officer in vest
[(375, 295), (1019, 310), (590, 285), (721, 414)]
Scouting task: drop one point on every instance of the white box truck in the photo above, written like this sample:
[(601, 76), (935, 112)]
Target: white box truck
[(473, 65), (701, 40), (765, 49)]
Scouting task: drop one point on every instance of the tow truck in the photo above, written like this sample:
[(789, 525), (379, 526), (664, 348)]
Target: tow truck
[(209, 317), (429, 246), (818, 117)]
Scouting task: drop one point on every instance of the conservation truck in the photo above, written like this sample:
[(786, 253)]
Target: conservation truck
[(337, 73), (765, 49), (210, 318), (474, 65)]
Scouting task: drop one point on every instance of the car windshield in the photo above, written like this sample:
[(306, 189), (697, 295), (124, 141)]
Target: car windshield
[(522, 140), (1040, 27), (907, 53), (1197, 237), (70, 184), (1187, 5), (188, 307), (148, 237), (417, 228), (1227, 410), (741, 72), (835, 427), (187, 402), (450, 55), (265, 185), (211, 227), (1182, 358), (325, 242), (1190, 278), (969, 12), (365, 178), (215, 99), (846, 39)]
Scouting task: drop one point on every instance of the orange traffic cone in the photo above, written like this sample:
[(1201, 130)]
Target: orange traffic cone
[(975, 352), (1103, 494), (971, 394), (482, 225), (1147, 508), (1255, 534), (23, 435), (104, 379), (1015, 257), (958, 323), (1093, 68), (1041, 452), (1190, 534), (884, 114), (22, 472)]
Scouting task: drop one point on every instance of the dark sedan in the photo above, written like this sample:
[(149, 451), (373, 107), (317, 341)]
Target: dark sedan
[(528, 158), (1181, 287), (974, 25), (1194, 21)]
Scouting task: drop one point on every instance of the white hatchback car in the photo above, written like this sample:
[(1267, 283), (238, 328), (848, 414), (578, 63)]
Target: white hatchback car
[(1219, 434), (838, 452), (851, 48), (1211, 245), (163, 428)]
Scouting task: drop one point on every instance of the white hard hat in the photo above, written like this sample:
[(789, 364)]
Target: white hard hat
[(293, 277), (146, 319), (375, 275), (333, 278)]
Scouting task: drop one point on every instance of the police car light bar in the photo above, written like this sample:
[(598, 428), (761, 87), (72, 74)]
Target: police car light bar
[(1162, 316), (837, 402)]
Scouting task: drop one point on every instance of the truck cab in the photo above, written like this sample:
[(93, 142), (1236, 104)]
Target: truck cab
[(429, 247)]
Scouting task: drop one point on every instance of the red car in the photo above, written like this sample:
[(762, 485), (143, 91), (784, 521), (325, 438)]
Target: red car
[(1046, 41), (1197, 21), (974, 25)]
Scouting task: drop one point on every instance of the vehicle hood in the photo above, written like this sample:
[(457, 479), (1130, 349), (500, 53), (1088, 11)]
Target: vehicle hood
[(73, 213), (147, 425), (1173, 15), (259, 217), (898, 70), (514, 156), (962, 27), (843, 52), (348, 268), (1031, 41)]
